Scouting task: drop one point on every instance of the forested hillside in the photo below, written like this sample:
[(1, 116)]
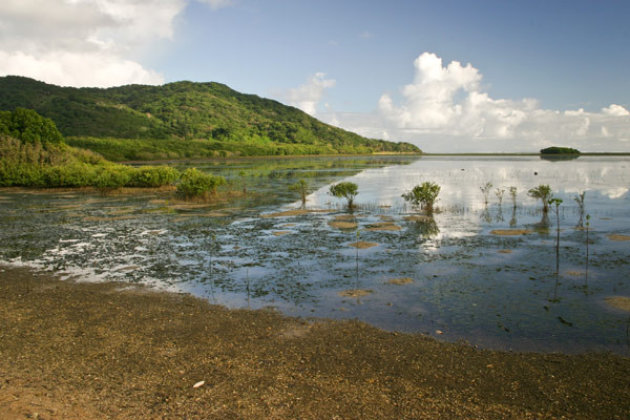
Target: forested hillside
[(182, 119)]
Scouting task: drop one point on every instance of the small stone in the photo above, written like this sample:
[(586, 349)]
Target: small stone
[(199, 384)]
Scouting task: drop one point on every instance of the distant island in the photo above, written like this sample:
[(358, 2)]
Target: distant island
[(182, 120), (555, 150)]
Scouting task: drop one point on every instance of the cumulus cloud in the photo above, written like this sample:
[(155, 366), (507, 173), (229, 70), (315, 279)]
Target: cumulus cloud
[(85, 42), (307, 96), (445, 109)]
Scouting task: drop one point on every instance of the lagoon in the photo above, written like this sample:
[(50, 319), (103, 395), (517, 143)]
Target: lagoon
[(455, 276)]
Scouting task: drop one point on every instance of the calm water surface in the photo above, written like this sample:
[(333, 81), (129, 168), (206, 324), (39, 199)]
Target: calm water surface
[(465, 281)]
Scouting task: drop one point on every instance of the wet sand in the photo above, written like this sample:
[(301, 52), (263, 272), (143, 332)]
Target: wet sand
[(97, 351)]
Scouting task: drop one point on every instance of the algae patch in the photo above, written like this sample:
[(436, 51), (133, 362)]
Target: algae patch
[(363, 244), (355, 293), (510, 232), (400, 281), (619, 302)]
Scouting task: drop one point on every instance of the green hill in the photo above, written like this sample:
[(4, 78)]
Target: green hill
[(182, 119)]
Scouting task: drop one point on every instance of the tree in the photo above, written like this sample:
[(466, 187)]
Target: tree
[(347, 190), (542, 192), (28, 126), (423, 196), (300, 187)]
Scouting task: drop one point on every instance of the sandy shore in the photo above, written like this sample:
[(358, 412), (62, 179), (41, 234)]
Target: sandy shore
[(99, 351)]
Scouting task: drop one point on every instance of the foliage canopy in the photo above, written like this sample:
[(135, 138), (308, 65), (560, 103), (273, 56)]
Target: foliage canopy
[(201, 119)]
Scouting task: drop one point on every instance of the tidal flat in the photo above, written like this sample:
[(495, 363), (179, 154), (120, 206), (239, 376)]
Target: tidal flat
[(110, 350), (494, 271)]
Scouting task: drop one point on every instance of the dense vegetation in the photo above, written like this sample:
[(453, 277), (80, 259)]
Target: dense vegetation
[(182, 119), (555, 150), (33, 154)]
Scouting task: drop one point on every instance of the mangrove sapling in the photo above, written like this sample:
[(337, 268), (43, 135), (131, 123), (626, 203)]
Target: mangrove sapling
[(301, 187), (513, 192), (485, 189), (542, 192), (557, 202), (423, 196), (499, 193), (588, 225), (579, 199), (347, 190)]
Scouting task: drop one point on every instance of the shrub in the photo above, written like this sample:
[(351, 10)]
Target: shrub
[(112, 177), (194, 183), (347, 190), (153, 176), (423, 196)]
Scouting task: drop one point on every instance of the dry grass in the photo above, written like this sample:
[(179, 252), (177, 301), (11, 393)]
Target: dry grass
[(618, 237), (281, 232)]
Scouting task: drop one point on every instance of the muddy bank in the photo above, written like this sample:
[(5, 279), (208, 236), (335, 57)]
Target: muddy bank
[(76, 351)]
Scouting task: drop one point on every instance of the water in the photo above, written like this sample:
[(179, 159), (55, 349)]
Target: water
[(467, 282)]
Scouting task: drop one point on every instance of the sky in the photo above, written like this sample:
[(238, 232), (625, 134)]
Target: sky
[(448, 76)]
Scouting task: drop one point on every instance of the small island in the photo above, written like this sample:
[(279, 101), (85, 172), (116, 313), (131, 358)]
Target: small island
[(559, 153)]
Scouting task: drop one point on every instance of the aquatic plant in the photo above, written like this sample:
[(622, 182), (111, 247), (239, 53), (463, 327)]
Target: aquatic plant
[(347, 190), (300, 187), (499, 193), (588, 225), (579, 199), (544, 193), (194, 183), (423, 196), (513, 192), (485, 189)]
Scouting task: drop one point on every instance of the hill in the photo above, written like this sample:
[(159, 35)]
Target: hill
[(182, 119)]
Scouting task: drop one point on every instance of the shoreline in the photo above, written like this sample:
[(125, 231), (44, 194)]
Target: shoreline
[(107, 350)]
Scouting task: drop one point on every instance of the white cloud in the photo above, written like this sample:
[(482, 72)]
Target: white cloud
[(86, 42), (445, 109), (616, 110), (78, 69), (307, 96)]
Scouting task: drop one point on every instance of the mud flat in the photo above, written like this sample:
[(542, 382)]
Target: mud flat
[(80, 350)]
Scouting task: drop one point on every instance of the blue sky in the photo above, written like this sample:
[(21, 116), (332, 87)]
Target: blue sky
[(446, 75)]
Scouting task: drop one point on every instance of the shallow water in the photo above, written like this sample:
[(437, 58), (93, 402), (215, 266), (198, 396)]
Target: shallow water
[(468, 283)]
